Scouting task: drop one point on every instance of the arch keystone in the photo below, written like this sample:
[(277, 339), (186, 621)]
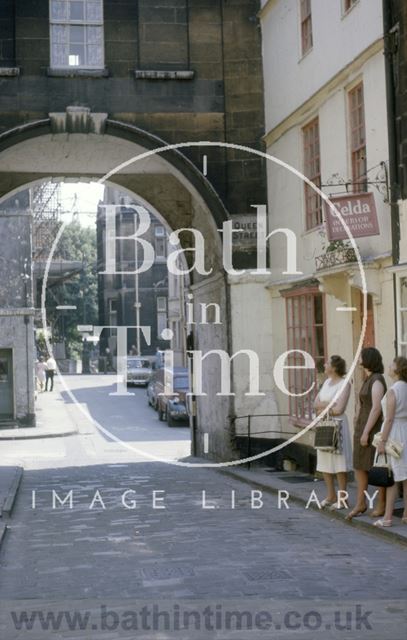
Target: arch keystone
[(78, 120)]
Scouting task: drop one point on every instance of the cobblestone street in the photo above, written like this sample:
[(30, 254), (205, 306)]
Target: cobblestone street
[(188, 553)]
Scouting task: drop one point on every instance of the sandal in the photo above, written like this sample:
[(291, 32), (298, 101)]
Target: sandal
[(355, 513), (327, 503), (334, 507), (383, 523)]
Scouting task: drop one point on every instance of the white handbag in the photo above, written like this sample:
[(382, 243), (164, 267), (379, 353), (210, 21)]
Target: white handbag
[(392, 447)]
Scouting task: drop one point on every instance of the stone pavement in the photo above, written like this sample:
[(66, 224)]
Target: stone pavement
[(51, 421), (10, 478), (191, 553), (299, 485), (228, 550)]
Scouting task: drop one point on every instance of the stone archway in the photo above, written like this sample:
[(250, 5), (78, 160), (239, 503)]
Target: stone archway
[(82, 145)]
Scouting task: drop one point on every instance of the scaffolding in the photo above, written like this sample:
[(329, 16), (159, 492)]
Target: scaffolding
[(46, 207)]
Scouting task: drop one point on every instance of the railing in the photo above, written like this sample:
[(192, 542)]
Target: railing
[(251, 433), (344, 255)]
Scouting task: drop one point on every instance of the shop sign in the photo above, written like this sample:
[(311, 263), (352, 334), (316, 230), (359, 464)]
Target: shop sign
[(358, 211), (246, 224)]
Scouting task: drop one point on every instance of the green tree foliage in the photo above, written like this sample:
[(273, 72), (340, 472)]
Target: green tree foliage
[(78, 243)]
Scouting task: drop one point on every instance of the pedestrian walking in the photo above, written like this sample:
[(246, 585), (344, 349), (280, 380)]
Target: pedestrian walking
[(108, 360), (40, 369), (395, 429), (336, 464), (368, 422), (50, 373)]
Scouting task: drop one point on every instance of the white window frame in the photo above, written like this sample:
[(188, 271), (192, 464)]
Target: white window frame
[(346, 11), (112, 312), (160, 255), (302, 53), (159, 231), (401, 344), (85, 23), (359, 82), (162, 321)]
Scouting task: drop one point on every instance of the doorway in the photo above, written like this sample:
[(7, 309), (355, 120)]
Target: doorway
[(369, 339), (6, 384)]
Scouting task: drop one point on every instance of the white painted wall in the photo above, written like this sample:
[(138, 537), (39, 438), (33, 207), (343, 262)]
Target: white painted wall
[(290, 83), (286, 192), (252, 329), (338, 39)]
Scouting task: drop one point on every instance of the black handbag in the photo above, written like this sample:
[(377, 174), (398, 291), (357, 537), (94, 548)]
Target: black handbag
[(328, 436), (381, 475)]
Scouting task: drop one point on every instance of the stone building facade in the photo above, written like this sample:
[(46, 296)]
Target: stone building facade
[(120, 295), (341, 298), (16, 317), (85, 86), (183, 70)]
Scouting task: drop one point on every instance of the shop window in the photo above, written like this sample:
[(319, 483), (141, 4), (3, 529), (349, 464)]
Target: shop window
[(312, 170), (358, 138), (306, 26), (76, 34), (6, 384), (305, 332)]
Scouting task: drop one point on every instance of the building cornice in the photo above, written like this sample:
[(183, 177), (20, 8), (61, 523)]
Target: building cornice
[(318, 98), (12, 312), (266, 8)]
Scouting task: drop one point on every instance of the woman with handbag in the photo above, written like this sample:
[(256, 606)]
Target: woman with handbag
[(395, 427), (337, 463), (367, 424)]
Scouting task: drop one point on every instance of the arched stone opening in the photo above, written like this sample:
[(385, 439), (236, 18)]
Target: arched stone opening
[(169, 183)]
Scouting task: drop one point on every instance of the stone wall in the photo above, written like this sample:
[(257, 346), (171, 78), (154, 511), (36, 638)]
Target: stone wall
[(7, 54), (16, 313), (217, 41)]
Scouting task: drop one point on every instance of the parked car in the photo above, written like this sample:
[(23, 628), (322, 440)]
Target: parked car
[(172, 408), (139, 371)]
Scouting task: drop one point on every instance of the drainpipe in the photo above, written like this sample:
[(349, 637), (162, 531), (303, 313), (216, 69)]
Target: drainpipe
[(390, 47), (26, 277)]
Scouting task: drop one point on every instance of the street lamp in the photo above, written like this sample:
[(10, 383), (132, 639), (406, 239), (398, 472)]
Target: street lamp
[(85, 330), (137, 305)]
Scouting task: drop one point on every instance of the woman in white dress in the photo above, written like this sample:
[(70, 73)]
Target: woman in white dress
[(41, 368), (335, 464), (395, 428)]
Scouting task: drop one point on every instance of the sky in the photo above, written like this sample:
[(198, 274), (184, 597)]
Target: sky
[(83, 198)]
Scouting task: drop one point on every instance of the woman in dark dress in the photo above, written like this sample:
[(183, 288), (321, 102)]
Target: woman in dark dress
[(368, 422)]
